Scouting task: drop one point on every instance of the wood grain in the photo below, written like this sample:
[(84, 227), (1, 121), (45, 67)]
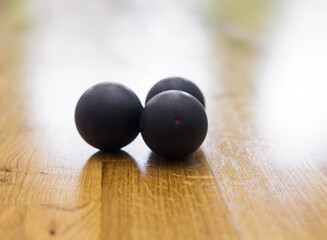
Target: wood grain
[(261, 173)]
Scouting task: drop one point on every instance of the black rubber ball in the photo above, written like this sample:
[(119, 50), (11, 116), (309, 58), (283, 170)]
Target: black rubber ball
[(107, 116), (176, 83), (174, 124)]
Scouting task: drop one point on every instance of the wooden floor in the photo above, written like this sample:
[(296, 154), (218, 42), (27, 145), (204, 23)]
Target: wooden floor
[(262, 171)]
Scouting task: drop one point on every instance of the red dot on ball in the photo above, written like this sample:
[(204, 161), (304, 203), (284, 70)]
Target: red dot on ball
[(177, 121)]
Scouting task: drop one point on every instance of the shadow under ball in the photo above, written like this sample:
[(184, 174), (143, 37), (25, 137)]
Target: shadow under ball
[(174, 124), (176, 83), (107, 116)]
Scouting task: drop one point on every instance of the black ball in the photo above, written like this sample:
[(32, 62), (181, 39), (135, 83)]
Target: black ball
[(174, 124), (176, 83), (107, 116)]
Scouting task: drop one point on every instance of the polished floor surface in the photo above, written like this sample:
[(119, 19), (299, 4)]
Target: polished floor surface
[(260, 174)]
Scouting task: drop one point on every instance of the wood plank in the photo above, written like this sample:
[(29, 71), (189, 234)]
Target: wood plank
[(266, 149), (41, 196), (172, 200)]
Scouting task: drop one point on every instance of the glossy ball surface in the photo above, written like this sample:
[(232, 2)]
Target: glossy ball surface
[(107, 116), (176, 83), (173, 124)]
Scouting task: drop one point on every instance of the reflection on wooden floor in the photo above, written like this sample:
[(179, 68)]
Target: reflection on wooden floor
[(261, 173)]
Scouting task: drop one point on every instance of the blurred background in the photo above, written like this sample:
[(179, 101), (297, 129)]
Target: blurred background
[(260, 63), (274, 51)]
